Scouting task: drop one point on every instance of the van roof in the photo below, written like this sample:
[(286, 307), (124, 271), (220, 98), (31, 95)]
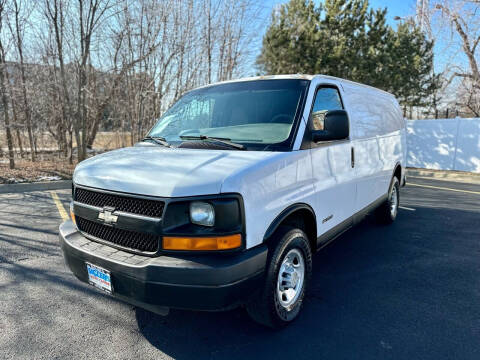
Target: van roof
[(301, 77)]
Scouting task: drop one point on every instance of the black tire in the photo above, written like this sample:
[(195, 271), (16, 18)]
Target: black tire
[(387, 212), (266, 308)]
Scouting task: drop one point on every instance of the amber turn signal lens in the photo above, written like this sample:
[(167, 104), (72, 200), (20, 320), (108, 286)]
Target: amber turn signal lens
[(202, 243), (72, 215)]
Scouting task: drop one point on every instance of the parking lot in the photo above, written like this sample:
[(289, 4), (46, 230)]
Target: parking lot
[(406, 291)]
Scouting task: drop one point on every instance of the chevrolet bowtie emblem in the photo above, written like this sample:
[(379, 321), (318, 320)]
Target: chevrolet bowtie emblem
[(107, 215)]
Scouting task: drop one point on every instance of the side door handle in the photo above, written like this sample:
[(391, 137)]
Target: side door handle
[(352, 153)]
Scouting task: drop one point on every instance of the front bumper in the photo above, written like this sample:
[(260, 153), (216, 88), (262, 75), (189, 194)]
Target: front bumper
[(197, 282)]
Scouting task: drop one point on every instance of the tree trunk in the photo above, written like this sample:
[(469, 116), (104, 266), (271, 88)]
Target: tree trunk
[(82, 112), (15, 117), (209, 41), (56, 17), (3, 90), (5, 109), (35, 145), (96, 123), (20, 143), (28, 116), (70, 146)]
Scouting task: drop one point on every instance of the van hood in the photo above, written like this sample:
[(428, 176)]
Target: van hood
[(165, 172)]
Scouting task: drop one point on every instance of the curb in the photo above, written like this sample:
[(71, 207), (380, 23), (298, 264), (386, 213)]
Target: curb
[(39, 186), (450, 175)]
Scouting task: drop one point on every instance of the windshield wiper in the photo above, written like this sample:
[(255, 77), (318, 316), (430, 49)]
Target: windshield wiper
[(222, 140), (157, 139)]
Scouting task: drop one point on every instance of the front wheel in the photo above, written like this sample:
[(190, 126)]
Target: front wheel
[(387, 212), (288, 272)]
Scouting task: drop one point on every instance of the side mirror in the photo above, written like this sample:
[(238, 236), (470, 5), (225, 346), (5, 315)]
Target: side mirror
[(335, 127)]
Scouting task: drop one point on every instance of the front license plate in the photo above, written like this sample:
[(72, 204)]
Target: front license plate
[(99, 278)]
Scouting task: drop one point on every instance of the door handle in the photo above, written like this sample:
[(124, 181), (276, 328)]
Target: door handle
[(352, 153)]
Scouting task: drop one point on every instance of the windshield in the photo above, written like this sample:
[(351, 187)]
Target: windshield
[(261, 112)]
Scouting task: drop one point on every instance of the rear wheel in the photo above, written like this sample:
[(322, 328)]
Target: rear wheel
[(288, 273), (387, 212)]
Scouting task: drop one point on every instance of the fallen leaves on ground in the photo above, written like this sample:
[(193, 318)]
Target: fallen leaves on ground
[(41, 170)]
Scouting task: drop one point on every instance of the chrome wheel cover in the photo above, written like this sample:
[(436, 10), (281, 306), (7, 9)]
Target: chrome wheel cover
[(291, 276)]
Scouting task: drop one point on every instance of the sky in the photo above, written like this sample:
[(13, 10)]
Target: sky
[(400, 8), (395, 7)]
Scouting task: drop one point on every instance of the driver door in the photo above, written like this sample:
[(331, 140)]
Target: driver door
[(333, 171)]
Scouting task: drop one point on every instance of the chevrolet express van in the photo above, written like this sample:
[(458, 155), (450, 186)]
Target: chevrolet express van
[(232, 191)]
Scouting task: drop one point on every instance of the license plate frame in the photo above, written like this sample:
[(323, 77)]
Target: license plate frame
[(99, 277)]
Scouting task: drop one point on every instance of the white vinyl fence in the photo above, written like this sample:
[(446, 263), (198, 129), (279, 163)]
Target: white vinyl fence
[(444, 144)]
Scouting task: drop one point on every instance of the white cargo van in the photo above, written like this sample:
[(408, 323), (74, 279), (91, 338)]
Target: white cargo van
[(234, 188)]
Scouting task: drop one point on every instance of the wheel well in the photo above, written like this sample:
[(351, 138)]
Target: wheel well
[(303, 219), (398, 173)]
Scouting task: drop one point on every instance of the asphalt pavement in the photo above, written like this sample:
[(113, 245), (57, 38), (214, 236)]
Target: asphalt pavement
[(410, 290)]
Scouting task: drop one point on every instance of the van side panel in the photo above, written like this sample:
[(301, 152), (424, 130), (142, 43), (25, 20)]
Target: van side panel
[(334, 184), (378, 139), (271, 186)]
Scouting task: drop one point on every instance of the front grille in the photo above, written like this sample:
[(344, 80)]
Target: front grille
[(125, 238), (152, 208)]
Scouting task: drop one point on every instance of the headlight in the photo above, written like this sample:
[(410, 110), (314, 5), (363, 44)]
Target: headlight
[(202, 213)]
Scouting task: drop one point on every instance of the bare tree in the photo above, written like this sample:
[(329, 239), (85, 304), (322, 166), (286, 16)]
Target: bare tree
[(55, 13), (463, 16), (89, 19), (469, 98), (103, 65), (3, 89), (17, 32)]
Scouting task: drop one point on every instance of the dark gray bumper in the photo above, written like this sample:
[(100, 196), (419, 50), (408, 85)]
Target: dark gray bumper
[(198, 282)]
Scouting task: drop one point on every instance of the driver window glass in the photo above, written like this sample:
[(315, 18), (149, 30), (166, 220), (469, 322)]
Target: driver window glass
[(326, 99)]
